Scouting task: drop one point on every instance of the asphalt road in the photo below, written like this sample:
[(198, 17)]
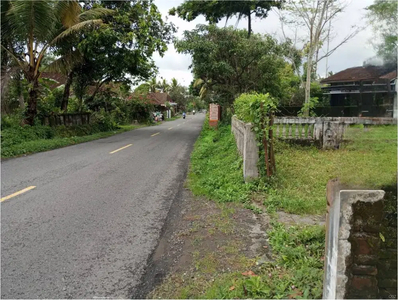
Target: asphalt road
[(95, 216)]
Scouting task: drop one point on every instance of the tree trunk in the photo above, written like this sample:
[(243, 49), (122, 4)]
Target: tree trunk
[(316, 62), (249, 21), (308, 83), (32, 101), (65, 97)]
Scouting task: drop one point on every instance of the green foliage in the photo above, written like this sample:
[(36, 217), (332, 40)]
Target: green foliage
[(228, 65), (103, 120), (126, 45), (256, 109), (296, 273), (248, 107), (142, 89), (309, 107), (298, 247), (40, 25), (11, 120), (253, 208), (383, 16), (214, 11), (18, 134), (49, 103), (216, 167), (19, 140)]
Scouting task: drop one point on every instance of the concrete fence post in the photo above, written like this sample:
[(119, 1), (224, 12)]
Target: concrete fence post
[(250, 154), (247, 146), (352, 243)]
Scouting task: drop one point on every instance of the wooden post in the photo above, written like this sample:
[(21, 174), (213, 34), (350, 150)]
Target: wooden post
[(271, 145), (265, 145)]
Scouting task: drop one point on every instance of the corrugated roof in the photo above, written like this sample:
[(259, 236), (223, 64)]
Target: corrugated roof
[(359, 74)]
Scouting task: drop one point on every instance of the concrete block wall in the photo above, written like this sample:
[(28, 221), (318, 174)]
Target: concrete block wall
[(247, 147), (68, 119), (361, 244)]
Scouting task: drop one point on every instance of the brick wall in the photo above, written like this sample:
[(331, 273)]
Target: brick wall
[(361, 249), (387, 263), (365, 246)]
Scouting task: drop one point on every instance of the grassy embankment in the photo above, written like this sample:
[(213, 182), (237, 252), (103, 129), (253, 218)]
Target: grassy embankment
[(368, 160), (17, 140)]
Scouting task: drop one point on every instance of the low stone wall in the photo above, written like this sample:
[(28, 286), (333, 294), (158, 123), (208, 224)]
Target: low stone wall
[(247, 147), (361, 245), (329, 132), (68, 119)]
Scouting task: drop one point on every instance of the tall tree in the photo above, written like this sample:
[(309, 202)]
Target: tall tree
[(214, 11), (39, 25), (314, 16), (383, 16), (226, 64), (178, 93), (163, 85), (153, 85), (122, 51)]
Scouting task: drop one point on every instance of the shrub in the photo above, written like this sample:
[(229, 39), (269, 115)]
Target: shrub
[(12, 120), (247, 106), (103, 120), (18, 134)]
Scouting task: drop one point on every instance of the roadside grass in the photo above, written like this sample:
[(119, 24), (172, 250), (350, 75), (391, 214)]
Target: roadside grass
[(216, 167), (368, 160), (12, 148), (173, 118), (295, 273)]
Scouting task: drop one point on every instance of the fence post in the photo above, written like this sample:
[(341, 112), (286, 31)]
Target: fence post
[(265, 145), (271, 146)]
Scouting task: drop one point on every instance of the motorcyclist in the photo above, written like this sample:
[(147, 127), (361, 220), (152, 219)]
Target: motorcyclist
[(193, 111), (183, 115)]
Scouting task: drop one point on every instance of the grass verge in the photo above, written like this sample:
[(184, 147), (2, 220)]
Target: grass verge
[(39, 145), (296, 273), (367, 160), (216, 167), (173, 118)]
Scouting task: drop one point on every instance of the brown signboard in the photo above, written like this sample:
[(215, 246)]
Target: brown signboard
[(214, 115)]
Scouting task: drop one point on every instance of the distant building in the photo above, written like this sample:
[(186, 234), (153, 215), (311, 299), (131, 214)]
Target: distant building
[(363, 91)]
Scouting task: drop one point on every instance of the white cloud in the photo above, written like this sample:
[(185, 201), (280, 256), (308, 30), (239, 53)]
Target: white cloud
[(351, 54)]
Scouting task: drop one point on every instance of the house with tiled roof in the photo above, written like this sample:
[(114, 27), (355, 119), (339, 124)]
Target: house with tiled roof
[(159, 100), (364, 91)]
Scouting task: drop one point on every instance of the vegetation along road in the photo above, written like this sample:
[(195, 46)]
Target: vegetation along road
[(90, 215)]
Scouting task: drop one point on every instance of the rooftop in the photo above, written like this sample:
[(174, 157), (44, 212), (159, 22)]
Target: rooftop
[(373, 73)]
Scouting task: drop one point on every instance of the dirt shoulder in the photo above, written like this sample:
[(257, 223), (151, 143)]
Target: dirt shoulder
[(201, 241)]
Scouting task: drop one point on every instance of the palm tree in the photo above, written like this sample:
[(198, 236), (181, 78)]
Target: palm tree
[(42, 24), (163, 85), (174, 84), (204, 87), (153, 85)]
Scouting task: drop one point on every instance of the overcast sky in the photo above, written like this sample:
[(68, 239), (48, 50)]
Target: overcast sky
[(351, 54)]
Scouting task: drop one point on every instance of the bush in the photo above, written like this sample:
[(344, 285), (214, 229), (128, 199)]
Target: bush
[(247, 106), (18, 134), (103, 120), (12, 120)]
